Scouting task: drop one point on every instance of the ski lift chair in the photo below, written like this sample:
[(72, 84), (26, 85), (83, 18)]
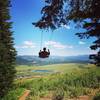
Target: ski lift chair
[(44, 53)]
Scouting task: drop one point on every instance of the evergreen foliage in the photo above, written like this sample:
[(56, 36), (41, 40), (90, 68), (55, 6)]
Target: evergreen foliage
[(7, 51), (60, 12), (93, 29)]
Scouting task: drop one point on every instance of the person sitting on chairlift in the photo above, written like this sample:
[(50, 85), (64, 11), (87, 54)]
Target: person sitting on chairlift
[(44, 53)]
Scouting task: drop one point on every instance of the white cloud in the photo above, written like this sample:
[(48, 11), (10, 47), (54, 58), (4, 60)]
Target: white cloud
[(26, 44), (81, 42), (65, 26), (57, 45), (29, 43)]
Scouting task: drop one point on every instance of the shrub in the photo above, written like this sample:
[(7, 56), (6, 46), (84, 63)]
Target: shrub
[(97, 96), (58, 94)]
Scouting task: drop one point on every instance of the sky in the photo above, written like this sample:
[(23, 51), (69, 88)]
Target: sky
[(29, 39)]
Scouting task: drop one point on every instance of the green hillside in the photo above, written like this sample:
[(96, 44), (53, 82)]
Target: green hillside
[(63, 80), (25, 70)]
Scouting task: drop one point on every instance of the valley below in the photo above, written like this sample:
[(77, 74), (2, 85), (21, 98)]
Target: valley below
[(67, 81)]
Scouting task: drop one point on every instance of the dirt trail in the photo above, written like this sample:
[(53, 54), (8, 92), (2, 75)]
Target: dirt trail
[(79, 98), (25, 94), (84, 97)]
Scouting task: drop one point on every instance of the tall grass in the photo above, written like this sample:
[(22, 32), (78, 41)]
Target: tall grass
[(72, 84), (14, 94)]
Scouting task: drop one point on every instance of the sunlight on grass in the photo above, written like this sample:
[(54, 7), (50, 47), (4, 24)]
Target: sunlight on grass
[(73, 79)]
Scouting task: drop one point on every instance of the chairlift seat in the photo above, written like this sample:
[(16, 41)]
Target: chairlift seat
[(44, 54)]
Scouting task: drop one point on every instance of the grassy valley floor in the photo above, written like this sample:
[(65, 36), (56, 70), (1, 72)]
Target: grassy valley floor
[(56, 82)]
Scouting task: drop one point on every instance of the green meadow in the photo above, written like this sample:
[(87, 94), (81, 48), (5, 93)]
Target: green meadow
[(51, 69), (56, 82)]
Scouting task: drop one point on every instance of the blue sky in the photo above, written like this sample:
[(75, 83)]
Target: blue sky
[(61, 42)]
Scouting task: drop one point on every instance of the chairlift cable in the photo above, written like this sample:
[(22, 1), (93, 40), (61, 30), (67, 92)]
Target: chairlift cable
[(50, 39), (44, 53), (41, 42)]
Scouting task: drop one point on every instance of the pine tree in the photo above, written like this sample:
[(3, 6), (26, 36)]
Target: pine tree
[(7, 51), (60, 12), (92, 30)]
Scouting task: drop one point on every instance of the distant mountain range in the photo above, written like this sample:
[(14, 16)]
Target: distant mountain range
[(35, 60)]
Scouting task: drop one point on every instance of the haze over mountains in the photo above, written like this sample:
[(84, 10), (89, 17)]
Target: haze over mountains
[(35, 60)]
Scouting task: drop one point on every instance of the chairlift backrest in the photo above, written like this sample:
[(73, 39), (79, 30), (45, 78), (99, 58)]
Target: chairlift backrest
[(44, 53)]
